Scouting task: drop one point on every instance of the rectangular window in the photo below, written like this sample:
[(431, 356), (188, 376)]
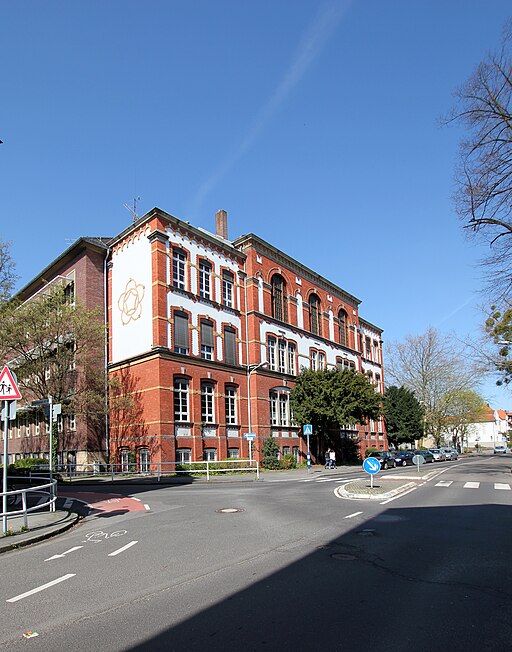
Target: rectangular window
[(313, 360), (368, 348), (229, 345), (291, 359), (181, 333), (181, 400), (284, 410), (205, 271), (282, 356), (178, 269), (228, 281), (321, 361), (72, 422), (279, 409), (233, 453), (207, 395), (272, 353), (230, 405), (183, 455), (210, 454), (69, 293), (206, 340)]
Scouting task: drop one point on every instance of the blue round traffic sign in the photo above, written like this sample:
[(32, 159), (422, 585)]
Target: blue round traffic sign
[(371, 465)]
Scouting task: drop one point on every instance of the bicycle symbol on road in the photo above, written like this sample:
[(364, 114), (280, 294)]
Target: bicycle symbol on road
[(99, 535)]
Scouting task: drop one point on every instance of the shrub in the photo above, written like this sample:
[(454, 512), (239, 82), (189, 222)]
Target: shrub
[(270, 454), (288, 461), (369, 451)]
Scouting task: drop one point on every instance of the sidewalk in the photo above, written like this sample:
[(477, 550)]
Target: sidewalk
[(43, 525)]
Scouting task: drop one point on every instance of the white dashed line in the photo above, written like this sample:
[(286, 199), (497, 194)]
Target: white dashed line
[(67, 503), (41, 588), (147, 507), (354, 514), (500, 485), (444, 483), (471, 485), (119, 550)]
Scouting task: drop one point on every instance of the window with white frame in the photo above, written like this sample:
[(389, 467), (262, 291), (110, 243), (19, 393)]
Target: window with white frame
[(205, 273), (279, 408), (228, 283), (144, 460), (124, 460), (183, 455), (71, 348), (291, 358), (230, 400), (207, 402), (72, 422), (69, 293), (272, 344), (313, 360), (181, 386), (321, 360), (281, 351), (179, 259), (206, 328), (233, 453), (210, 454)]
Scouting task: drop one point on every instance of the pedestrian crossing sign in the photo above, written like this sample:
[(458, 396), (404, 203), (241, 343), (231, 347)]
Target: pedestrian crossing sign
[(308, 429)]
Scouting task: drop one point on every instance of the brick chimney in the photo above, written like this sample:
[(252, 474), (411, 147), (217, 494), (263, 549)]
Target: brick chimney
[(221, 224)]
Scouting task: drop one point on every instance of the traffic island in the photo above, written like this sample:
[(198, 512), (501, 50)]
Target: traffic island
[(382, 489)]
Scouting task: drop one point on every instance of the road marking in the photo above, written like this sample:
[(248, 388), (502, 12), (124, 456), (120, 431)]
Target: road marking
[(500, 485), (67, 503), (128, 545), (444, 483), (136, 499), (385, 502), (41, 588), (329, 480), (146, 506), (354, 514), (471, 485), (64, 553)]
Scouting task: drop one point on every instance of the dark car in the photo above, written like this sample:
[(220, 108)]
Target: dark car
[(387, 459), (404, 458), (427, 455)]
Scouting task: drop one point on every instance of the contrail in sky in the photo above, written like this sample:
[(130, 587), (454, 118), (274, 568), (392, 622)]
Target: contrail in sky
[(310, 47), (455, 311)]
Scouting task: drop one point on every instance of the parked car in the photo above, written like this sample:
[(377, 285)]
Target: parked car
[(450, 453), (386, 459), (500, 450), (438, 454), (427, 455), (404, 458)]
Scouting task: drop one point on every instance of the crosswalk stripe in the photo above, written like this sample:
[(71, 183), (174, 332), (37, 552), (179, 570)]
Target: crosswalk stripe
[(444, 483), (471, 485), (501, 485)]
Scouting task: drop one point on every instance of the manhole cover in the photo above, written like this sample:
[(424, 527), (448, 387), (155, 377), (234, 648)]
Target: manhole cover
[(343, 556), (229, 510)]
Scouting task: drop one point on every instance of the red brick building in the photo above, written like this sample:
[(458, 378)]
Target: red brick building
[(207, 336)]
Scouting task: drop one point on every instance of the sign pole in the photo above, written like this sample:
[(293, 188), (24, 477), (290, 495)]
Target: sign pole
[(309, 455), (250, 452), (4, 485)]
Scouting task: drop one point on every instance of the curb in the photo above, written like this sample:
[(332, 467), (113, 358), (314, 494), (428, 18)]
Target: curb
[(36, 538), (341, 492)]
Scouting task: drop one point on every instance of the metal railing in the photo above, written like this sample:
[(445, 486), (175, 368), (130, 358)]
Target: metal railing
[(157, 470), (48, 489)]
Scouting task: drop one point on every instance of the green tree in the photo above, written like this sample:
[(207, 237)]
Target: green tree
[(56, 348), (270, 457), (498, 327), (331, 400), (403, 415), (7, 272)]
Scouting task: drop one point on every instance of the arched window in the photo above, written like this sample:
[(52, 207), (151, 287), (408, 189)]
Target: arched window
[(342, 318), (314, 314), (279, 307)]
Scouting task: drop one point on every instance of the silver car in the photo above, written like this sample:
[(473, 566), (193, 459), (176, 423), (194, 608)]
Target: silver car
[(450, 453), (438, 454)]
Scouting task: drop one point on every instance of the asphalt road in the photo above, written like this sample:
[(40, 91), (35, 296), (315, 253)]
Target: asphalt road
[(288, 566)]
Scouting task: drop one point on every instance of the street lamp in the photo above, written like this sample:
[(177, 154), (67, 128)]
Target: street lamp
[(250, 370)]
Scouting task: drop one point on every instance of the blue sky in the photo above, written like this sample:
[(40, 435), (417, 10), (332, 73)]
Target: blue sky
[(314, 123)]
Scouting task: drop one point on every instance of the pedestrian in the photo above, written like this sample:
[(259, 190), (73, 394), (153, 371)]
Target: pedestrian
[(328, 458), (332, 457)]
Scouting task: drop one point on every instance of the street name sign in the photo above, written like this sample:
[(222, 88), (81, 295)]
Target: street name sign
[(250, 435)]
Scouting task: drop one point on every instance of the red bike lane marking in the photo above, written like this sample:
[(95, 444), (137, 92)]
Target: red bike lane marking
[(102, 502)]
